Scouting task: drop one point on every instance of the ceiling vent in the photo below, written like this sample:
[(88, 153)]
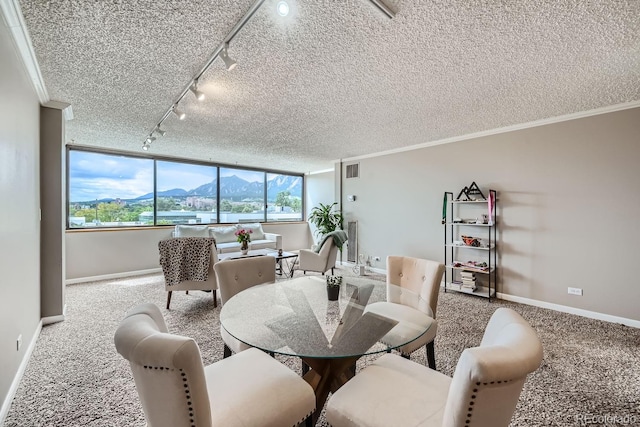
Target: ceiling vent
[(353, 171)]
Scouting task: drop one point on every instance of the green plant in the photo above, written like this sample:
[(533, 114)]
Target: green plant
[(325, 219)]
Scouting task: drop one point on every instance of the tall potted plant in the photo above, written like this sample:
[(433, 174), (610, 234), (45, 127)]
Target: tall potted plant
[(325, 219)]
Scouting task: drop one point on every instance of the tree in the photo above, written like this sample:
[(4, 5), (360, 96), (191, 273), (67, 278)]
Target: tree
[(282, 199), (225, 206), (165, 203), (296, 204)]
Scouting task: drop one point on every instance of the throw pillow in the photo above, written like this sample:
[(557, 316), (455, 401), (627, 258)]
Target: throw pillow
[(224, 234), (192, 231), (256, 230)]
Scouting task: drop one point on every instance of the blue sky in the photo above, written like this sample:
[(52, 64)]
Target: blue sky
[(99, 176)]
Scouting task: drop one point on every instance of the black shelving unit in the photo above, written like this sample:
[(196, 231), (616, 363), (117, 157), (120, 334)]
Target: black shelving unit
[(455, 247)]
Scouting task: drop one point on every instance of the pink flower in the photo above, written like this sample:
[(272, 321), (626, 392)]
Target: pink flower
[(243, 235)]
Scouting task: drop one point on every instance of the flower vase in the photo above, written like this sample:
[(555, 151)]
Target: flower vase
[(244, 247)]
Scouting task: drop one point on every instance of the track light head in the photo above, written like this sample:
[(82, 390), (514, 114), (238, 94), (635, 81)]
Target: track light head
[(181, 115), (150, 139), (145, 146), (198, 94), (224, 55), (282, 8), (161, 132)]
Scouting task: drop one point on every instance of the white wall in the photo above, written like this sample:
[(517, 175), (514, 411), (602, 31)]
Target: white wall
[(320, 188), (96, 253), (19, 214), (569, 196)]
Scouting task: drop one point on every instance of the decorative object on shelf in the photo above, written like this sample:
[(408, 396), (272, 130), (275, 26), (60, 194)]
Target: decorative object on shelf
[(469, 193), (333, 287), (244, 237), (471, 241)]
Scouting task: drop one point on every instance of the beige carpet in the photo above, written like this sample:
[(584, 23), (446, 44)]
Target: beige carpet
[(76, 378)]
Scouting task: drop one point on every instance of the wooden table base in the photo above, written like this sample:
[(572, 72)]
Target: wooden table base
[(327, 375)]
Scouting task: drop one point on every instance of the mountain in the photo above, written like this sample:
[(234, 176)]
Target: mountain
[(292, 184), (175, 192), (233, 188), (237, 189)]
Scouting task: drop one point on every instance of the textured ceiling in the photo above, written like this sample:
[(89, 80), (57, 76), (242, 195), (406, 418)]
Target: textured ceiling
[(335, 79)]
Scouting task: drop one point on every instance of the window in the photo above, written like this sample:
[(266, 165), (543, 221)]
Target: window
[(284, 197), (241, 195), (116, 190), (107, 190), (186, 193)]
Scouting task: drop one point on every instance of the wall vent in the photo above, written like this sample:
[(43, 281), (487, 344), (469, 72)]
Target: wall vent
[(353, 171), (352, 242)]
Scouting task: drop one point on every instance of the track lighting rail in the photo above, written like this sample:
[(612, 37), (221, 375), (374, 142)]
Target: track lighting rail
[(216, 53)]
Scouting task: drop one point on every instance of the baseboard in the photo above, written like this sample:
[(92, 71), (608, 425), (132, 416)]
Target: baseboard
[(570, 310), (367, 268), (6, 405), (113, 276), (55, 319), (566, 309)]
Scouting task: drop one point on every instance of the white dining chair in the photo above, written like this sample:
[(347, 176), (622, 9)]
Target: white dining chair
[(419, 277), (177, 390), (484, 390), (236, 275)]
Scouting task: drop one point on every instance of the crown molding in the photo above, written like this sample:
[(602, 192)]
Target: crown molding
[(12, 14), (512, 128)]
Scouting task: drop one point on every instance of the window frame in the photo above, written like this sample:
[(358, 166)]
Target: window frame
[(155, 159)]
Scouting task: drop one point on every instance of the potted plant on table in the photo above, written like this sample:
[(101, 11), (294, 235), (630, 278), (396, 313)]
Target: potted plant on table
[(333, 287), (244, 237)]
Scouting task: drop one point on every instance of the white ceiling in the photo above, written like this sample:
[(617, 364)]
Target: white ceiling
[(335, 79)]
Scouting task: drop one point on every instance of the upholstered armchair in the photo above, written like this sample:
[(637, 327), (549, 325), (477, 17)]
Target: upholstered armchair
[(484, 390), (236, 275), (321, 261), (177, 390), (172, 259), (422, 277)]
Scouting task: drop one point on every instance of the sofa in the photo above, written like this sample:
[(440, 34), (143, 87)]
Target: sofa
[(225, 235)]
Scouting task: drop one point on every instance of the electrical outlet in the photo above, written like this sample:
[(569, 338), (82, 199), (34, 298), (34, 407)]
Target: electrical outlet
[(376, 258), (19, 342), (574, 291)]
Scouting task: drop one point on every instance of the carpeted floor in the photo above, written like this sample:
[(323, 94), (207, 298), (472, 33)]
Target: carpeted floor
[(76, 378)]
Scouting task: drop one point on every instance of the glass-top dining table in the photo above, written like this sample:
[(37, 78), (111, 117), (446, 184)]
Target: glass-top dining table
[(295, 318)]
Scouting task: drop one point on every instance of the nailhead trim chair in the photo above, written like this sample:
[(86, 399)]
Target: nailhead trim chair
[(236, 275), (420, 276), (483, 392), (177, 390)]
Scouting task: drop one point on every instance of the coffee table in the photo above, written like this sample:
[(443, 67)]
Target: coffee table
[(295, 318), (289, 257)]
